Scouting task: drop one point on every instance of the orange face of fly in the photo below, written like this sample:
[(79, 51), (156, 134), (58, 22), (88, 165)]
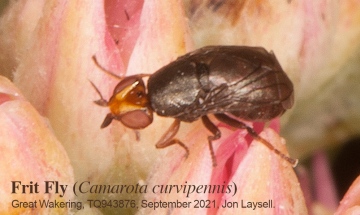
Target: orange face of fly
[(130, 105)]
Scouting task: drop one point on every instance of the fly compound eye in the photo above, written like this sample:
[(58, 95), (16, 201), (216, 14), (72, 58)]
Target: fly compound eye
[(130, 105), (137, 119)]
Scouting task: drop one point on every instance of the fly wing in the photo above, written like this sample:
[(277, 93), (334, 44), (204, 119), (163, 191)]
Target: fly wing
[(248, 83)]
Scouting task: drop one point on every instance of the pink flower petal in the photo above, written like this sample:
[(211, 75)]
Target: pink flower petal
[(263, 176), (30, 153), (324, 186), (123, 22), (350, 204), (258, 173), (305, 183)]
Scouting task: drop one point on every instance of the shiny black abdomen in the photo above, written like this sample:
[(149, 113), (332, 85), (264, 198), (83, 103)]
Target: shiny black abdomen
[(247, 82)]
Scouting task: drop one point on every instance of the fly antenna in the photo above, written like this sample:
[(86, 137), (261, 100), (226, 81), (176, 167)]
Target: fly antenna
[(105, 70)]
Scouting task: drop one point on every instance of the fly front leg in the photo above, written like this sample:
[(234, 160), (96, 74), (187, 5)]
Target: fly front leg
[(238, 124), (168, 138), (104, 103), (217, 134)]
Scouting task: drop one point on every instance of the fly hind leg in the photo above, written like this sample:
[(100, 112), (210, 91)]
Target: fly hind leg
[(238, 124)]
